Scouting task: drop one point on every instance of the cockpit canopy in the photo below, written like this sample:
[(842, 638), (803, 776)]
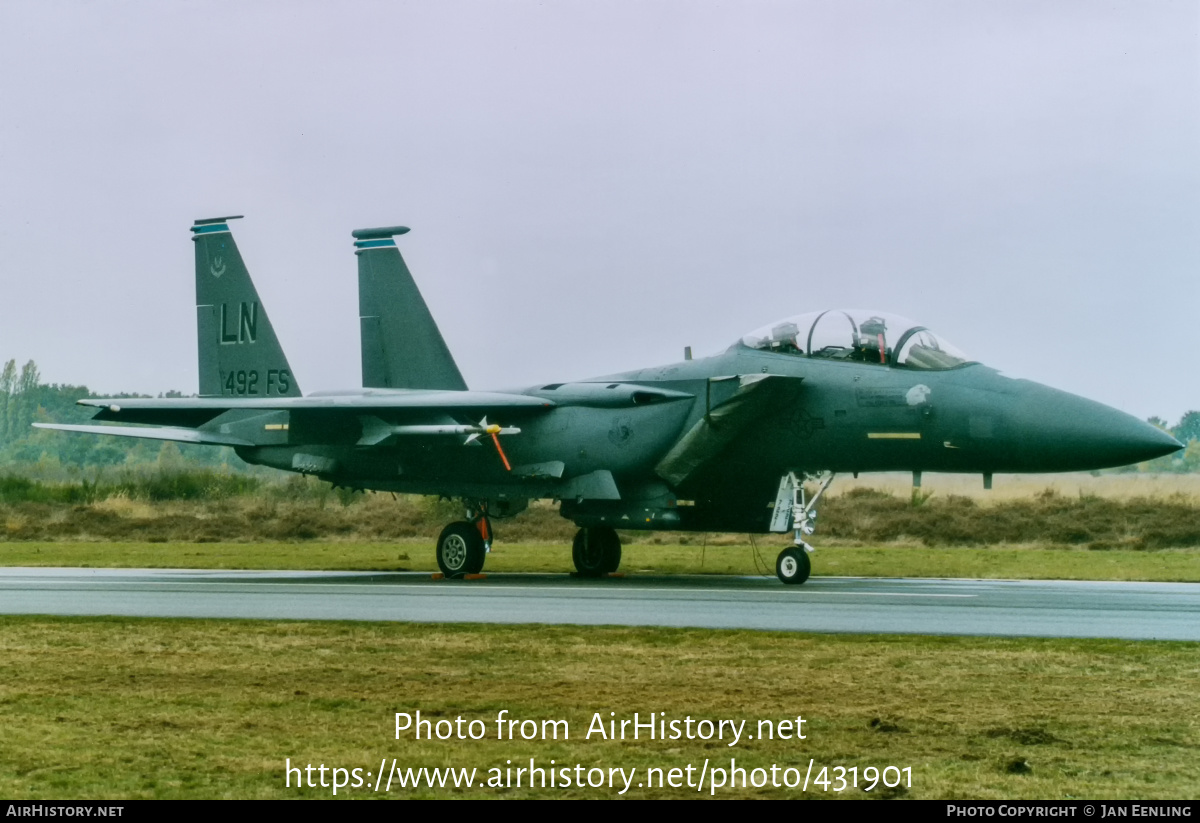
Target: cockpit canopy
[(860, 336)]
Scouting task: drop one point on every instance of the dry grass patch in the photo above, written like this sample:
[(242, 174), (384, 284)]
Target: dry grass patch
[(1135, 512), (861, 516)]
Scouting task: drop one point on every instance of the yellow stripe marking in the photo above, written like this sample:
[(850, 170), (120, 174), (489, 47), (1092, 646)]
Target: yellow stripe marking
[(893, 435), (276, 427)]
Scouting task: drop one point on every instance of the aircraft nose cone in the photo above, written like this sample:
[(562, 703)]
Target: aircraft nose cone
[(1132, 441), (1063, 432)]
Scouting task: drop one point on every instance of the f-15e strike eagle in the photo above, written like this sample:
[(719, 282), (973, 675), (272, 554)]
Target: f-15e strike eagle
[(717, 444)]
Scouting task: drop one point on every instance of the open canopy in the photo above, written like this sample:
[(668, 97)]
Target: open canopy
[(858, 335)]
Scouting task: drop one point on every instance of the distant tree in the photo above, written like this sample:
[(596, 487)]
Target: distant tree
[(8, 384), (1188, 428), (30, 378), (1190, 461), (26, 396), (169, 456)]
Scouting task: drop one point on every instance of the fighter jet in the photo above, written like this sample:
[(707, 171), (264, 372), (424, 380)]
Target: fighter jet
[(716, 444)]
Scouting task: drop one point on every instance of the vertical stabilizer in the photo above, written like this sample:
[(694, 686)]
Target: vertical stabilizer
[(239, 353), (401, 345)]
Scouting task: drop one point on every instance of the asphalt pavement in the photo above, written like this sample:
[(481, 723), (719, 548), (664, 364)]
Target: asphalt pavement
[(1164, 611)]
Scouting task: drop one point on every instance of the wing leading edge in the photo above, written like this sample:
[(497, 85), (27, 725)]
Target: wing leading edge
[(180, 418)]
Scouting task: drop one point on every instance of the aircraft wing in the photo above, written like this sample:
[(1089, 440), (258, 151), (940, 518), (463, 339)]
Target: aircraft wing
[(196, 411)]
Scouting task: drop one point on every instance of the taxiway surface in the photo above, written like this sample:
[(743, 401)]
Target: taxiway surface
[(1164, 611)]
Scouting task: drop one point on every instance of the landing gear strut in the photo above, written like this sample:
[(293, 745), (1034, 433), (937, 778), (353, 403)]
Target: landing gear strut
[(464, 544), (596, 551), (793, 565)]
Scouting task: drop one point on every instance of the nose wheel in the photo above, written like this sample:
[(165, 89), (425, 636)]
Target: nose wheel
[(596, 551), (793, 566)]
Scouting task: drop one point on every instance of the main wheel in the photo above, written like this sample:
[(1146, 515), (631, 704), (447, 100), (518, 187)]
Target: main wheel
[(793, 565), (612, 548), (460, 550), (596, 550)]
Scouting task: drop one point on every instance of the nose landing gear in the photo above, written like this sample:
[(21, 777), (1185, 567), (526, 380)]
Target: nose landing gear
[(793, 565)]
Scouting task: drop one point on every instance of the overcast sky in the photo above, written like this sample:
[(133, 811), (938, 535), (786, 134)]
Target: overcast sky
[(594, 185)]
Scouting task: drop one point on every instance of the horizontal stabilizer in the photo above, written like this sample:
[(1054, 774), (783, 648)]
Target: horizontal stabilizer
[(756, 396), (156, 433)]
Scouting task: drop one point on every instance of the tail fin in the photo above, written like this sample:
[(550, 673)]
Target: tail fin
[(239, 352), (401, 345)]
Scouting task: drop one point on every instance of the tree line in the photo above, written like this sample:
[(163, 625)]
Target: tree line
[(25, 400), (18, 398)]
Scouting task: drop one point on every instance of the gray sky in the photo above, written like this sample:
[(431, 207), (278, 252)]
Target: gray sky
[(594, 185)]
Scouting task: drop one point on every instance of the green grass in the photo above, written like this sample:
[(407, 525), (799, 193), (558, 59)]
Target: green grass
[(129, 708), (998, 562)]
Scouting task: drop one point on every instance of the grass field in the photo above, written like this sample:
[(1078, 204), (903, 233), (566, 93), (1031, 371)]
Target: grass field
[(125, 708)]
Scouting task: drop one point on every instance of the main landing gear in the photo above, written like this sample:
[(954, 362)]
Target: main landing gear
[(464, 544), (596, 551), (793, 565)]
